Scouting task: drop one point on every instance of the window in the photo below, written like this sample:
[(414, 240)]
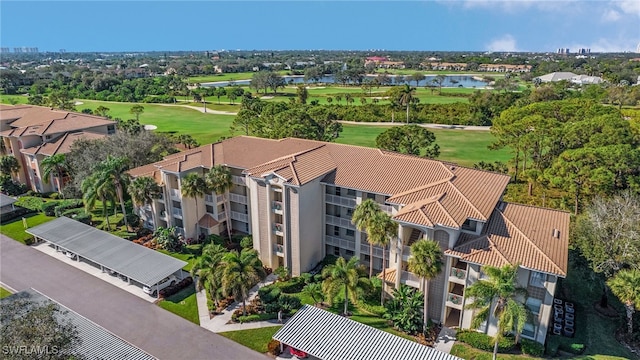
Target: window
[(336, 251), (349, 212), (537, 279), (533, 305), (351, 192), (336, 231), (350, 253), (469, 225), (209, 209), (350, 232), (366, 258), (337, 191), (371, 196)]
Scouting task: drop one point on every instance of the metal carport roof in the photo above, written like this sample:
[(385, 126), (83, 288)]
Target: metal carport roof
[(328, 336), (96, 341), (139, 263)]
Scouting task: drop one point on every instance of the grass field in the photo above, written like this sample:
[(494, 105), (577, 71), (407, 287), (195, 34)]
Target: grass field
[(183, 304), (255, 339), (4, 293), (15, 229)]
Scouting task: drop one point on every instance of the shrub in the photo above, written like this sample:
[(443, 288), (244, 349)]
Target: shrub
[(269, 294), (170, 290), (54, 195), (273, 347), (19, 212), (288, 303), (292, 286), (532, 348), (30, 240), (30, 202), (49, 208), (485, 342), (256, 317), (574, 348)]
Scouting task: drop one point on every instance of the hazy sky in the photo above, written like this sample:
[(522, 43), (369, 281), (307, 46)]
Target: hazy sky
[(475, 25)]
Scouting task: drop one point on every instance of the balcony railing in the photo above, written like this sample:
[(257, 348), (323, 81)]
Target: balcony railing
[(340, 200), (240, 199), (338, 221), (278, 228), (455, 300), (278, 248), (177, 212), (175, 193), (239, 216), (386, 208), (238, 180), (221, 216), (341, 243), (208, 198), (377, 251), (276, 206), (410, 279), (459, 274)]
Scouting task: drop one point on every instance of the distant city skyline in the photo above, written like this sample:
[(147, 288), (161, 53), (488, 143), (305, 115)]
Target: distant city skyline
[(439, 25)]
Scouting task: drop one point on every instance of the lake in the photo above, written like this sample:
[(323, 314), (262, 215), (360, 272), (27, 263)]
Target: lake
[(468, 81)]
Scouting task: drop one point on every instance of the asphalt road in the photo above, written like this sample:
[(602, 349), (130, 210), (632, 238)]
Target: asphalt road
[(147, 326)]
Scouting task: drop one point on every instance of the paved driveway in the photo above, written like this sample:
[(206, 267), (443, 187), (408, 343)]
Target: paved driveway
[(147, 326)]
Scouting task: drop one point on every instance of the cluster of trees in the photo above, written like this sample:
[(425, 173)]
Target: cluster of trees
[(578, 146), (409, 139)]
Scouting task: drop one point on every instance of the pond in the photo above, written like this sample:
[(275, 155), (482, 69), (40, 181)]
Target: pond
[(465, 81)]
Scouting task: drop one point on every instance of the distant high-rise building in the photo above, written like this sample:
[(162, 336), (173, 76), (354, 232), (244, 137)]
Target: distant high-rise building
[(638, 48), (4, 50), (583, 51), (563, 51), (25, 49)]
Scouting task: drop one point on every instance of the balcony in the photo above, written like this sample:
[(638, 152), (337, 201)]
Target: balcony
[(410, 279), (386, 208), (240, 199), (279, 249), (238, 180), (457, 275), (177, 212), (160, 197), (239, 216), (341, 243), (221, 216), (208, 198), (278, 229), (340, 200), (276, 207), (175, 194), (338, 221), (377, 251), (455, 301), (219, 199)]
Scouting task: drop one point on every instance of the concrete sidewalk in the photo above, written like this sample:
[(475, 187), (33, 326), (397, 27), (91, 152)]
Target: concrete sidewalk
[(219, 323), (445, 340)]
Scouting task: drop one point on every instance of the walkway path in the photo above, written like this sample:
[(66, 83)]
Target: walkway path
[(202, 109), (219, 323), (445, 340), (433, 126)]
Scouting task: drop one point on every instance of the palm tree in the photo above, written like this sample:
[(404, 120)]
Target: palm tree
[(97, 187), (502, 289), (626, 286), (425, 262), (382, 228), (314, 291), (55, 165), (362, 216), (219, 181), (114, 168), (208, 272), (343, 274), (194, 186), (143, 190), (240, 272), (406, 97)]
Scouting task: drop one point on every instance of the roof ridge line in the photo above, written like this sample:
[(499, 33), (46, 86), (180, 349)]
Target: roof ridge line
[(62, 139), (468, 201), (531, 242), (421, 187), (493, 246), (445, 210), (294, 172)]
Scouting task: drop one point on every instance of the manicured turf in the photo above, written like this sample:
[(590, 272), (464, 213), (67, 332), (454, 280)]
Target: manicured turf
[(4, 293), (183, 304), (467, 352), (255, 339), (189, 255), (15, 229), (18, 99), (464, 147)]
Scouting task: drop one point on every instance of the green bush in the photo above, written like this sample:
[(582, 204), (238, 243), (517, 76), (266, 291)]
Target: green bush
[(291, 286), (30, 240), (49, 208), (530, 347), (274, 347), (257, 317), (54, 195), (30, 202), (485, 342), (269, 294), (575, 348), (19, 212)]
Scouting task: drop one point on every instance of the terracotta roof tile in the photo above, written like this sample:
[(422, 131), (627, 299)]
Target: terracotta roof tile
[(61, 145), (520, 234), (40, 120), (389, 275)]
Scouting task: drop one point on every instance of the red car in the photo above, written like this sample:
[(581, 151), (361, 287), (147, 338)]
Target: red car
[(297, 353)]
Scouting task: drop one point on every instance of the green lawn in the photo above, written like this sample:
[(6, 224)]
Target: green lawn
[(4, 293), (464, 147), (13, 99), (15, 229), (255, 339), (467, 352), (183, 304), (190, 254)]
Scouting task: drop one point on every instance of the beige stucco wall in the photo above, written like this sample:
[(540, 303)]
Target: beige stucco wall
[(305, 223)]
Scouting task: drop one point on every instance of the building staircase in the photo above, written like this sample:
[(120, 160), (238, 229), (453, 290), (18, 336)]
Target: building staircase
[(415, 236)]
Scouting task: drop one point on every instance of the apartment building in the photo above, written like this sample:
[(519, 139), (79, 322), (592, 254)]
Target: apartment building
[(296, 197), (32, 133)]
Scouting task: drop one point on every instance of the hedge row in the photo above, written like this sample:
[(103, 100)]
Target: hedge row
[(257, 317), (170, 290), (485, 342), (19, 212)]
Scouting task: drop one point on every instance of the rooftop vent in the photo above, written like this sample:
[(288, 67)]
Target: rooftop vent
[(556, 233)]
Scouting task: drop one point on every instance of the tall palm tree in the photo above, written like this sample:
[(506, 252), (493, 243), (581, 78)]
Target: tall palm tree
[(194, 186), (97, 187), (207, 269), (500, 288), (343, 274), (314, 291), (381, 230), (240, 272), (425, 262), (219, 181), (114, 168), (361, 218), (626, 286), (55, 165), (143, 190), (407, 96)]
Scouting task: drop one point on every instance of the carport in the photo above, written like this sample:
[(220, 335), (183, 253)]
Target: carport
[(109, 252)]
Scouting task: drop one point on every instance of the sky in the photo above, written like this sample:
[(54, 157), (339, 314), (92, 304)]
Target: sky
[(436, 25)]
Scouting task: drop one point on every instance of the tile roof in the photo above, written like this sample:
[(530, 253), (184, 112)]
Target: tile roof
[(389, 275), (298, 169), (61, 145), (520, 234), (207, 221)]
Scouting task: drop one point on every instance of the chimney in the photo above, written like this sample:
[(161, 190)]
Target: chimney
[(556, 233)]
